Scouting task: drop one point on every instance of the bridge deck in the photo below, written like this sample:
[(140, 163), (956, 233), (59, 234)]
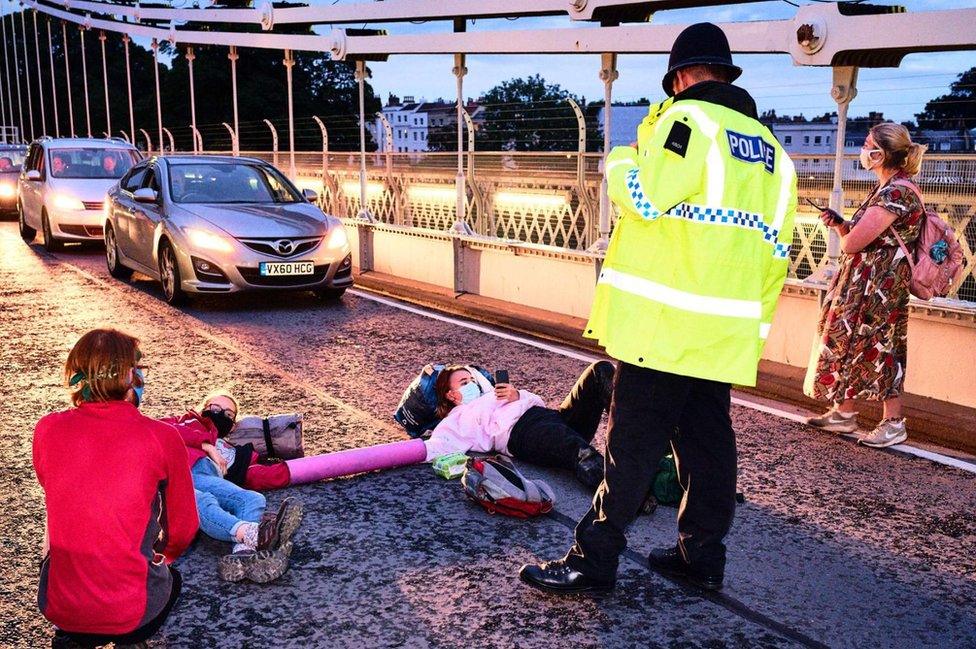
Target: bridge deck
[(836, 544)]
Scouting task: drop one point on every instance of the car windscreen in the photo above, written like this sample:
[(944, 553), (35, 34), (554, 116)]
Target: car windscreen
[(12, 159), (94, 163), (228, 182)]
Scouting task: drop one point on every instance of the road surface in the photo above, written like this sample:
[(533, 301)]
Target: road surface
[(836, 545)]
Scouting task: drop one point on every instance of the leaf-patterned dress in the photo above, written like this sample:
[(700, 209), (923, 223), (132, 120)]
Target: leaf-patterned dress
[(863, 332)]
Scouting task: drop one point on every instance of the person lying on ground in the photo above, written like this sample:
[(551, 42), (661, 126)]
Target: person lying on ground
[(229, 512), (106, 470), (206, 433), (517, 423)]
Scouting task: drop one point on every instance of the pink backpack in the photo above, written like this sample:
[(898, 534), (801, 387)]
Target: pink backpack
[(938, 256)]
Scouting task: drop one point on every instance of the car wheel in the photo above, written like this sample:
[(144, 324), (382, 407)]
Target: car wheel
[(50, 243), (329, 294), (115, 267), (27, 233), (169, 275)]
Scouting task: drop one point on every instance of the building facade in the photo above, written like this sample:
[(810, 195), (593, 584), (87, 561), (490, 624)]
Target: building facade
[(412, 122)]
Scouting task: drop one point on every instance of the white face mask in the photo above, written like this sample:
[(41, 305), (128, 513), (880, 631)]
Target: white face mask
[(866, 160), (469, 392)]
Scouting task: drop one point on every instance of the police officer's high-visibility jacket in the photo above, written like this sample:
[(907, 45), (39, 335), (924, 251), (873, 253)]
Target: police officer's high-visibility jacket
[(699, 255)]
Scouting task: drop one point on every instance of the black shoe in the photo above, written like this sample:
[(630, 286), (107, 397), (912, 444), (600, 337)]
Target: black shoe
[(62, 640), (557, 577), (649, 506), (670, 562), (589, 468)]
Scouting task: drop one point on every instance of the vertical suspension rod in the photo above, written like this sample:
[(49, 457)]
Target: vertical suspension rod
[(54, 85), (40, 77)]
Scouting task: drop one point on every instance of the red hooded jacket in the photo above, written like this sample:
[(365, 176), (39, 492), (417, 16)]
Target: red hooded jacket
[(120, 507)]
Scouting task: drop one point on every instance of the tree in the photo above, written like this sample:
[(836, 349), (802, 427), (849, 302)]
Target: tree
[(444, 138), (954, 110), (531, 115), (321, 87)]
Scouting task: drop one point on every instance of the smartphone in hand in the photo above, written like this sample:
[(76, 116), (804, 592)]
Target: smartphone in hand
[(501, 376), (836, 218)]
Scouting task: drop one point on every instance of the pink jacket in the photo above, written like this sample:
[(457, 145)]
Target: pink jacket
[(483, 425)]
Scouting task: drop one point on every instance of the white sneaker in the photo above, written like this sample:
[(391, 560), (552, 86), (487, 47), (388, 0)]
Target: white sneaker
[(887, 433), (835, 421)]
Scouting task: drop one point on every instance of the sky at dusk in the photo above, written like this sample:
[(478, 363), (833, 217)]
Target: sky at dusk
[(773, 79)]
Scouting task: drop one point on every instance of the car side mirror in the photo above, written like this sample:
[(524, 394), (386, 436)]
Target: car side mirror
[(145, 195), (33, 174), (310, 195)]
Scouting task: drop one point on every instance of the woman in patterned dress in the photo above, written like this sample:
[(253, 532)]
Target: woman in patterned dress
[(862, 345)]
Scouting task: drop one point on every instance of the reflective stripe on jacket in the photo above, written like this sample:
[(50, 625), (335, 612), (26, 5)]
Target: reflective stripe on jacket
[(699, 255)]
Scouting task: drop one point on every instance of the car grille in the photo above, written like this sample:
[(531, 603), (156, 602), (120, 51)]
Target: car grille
[(83, 230), (252, 276), (268, 246), (92, 205)]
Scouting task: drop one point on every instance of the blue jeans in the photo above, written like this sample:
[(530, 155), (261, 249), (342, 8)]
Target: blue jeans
[(222, 505)]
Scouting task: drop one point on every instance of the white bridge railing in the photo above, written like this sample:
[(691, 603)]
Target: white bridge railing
[(538, 197)]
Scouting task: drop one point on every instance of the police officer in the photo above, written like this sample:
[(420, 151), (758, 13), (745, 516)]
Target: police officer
[(684, 303)]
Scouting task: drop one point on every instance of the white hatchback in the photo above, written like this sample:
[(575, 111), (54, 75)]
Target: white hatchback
[(63, 187)]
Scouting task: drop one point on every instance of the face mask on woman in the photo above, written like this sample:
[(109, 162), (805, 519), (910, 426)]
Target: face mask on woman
[(141, 387), (469, 392), (866, 160), (221, 420)]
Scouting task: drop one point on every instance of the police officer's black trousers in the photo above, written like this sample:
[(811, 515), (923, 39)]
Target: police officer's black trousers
[(648, 406)]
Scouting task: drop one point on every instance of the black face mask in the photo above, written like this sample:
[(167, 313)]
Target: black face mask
[(223, 423)]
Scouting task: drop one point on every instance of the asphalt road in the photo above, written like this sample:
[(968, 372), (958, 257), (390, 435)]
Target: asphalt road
[(836, 545)]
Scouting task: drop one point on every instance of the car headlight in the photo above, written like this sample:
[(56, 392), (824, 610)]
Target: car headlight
[(7, 190), (205, 240), (65, 202), (338, 238)]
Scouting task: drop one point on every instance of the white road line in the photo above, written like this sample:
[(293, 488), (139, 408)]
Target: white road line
[(907, 449)]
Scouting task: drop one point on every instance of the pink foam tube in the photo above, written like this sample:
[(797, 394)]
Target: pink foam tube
[(357, 460)]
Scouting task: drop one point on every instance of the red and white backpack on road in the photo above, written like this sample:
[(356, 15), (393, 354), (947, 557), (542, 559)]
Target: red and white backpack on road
[(495, 484)]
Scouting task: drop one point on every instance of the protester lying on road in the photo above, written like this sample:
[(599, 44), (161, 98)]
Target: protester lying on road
[(229, 512), (105, 470), (209, 427), (518, 423)]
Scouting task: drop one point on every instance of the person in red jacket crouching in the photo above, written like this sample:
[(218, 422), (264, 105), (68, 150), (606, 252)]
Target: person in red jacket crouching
[(119, 502)]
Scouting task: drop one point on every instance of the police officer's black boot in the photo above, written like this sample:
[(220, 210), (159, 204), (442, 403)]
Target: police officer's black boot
[(559, 577), (671, 562), (589, 468)]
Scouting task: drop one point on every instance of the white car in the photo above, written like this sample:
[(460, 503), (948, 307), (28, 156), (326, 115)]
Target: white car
[(63, 186)]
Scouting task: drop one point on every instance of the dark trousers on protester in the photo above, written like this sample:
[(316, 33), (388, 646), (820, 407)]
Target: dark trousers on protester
[(648, 407), (69, 640), (554, 438)]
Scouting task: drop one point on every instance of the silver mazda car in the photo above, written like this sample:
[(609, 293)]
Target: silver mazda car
[(217, 224)]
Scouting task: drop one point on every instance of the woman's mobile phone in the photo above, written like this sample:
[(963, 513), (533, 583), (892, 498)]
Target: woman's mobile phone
[(501, 376), (835, 217)]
